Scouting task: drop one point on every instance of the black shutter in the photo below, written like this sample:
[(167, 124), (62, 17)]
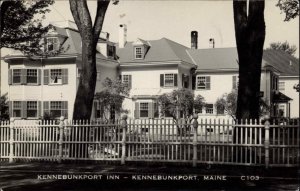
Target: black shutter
[(161, 80), (23, 76), (39, 73), (187, 81), (137, 110), (193, 82), (234, 82), (182, 80), (10, 76), (24, 110), (175, 80), (46, 77), (207, 83), (129, 81), (64, 76), (10, 108)]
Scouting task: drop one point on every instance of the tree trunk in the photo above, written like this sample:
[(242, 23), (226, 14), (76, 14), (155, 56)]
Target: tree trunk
[(89, 35), (250, 36)]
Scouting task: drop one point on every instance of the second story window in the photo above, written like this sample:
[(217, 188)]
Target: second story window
[(32, 76), (138, 52), (281, 86), (168, 80), (16, 76), (52, 44), (55, 76), (127, 80), (203, 82)]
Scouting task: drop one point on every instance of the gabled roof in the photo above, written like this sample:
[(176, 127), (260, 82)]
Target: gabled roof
[(227, 58), (162, 50)]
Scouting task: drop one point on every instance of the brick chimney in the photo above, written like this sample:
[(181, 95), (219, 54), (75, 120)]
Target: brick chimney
[(194, 40), (122, 35)]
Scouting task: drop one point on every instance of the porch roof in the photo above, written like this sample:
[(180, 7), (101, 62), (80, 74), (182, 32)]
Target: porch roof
[(279, 97)]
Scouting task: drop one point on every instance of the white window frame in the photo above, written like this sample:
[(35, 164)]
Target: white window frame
[(209, 110), (31, 108), (127, 79), (52, 79), (171, 79), (55, 45), (14, 104), (202, 87), (138, 52), (13, 75), (144, 106), (281, 86), (36, 76)]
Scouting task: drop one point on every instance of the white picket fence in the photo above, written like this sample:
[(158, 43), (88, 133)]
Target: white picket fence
[(153, 140)]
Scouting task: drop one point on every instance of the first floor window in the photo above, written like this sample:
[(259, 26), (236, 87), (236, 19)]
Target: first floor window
[(55, 76), (209, 108), (32, 76), (55, 108), (17, 108), (32, 109), (144, 109), (16, 76)]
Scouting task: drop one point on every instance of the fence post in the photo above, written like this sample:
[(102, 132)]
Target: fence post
[(11, 140), (60, 141), (267, 141), (124, 129), (195, 125)]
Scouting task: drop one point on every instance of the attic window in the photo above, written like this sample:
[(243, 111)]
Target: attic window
[(52, 44), (138, 51)]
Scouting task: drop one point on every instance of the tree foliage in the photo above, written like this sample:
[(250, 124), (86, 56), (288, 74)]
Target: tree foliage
[(112, 96), (284, 46), (228, 102), (289, 7), (21, 22), (179, 101), (4, 112)]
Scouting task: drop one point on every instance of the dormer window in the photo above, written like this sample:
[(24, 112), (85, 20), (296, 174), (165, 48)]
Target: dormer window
[(52, 44), (138, 51)]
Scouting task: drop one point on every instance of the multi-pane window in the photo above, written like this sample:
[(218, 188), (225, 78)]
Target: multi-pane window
[(16, 76), (281, 86), (169, 80), (55, 76), (127, 80), (209, 108), (32, 109), (55, 108), (203, 82), (138, 52), (52, 44), (32, 76), (144, 109), (17, 107)]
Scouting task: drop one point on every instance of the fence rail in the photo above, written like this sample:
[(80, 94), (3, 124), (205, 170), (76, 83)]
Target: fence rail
[(154, 140)]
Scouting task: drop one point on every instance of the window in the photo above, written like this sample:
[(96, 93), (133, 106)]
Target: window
[(127, 80), (203, 82), (52, 44), (281, 86), (55, 76), (55, 109), (144, 109), (209, 109), (32, 76), (110, 51), (235, 82), (220, 110), (169, 80), (32, 109), (17, 107), (16, 76), (198, 110), (138, 52)]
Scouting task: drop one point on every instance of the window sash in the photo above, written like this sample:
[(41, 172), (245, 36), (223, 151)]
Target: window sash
[(32, 76), (55, 76), (52, 43), (144, 109), (281, 86), (209, 109), (16, 76), (169, 80), (201, 82), (138, 52)]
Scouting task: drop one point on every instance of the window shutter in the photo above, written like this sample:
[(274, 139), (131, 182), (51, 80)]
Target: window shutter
[(24, 110), (187, 81), (9, 76), (137, 110), (234, 82), (65, 76), (46, 105), (64, 109), (207, 83), (23, 76), (120, 78), (130, 81), (182, 80), (39, 109), (10, 108), (151, 110), (46, 77), (39, 76), (175, 80), (193, 82), (161, 80), (95, 109)]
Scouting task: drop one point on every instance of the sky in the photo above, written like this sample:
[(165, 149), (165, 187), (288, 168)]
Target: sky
[(152, 20)]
